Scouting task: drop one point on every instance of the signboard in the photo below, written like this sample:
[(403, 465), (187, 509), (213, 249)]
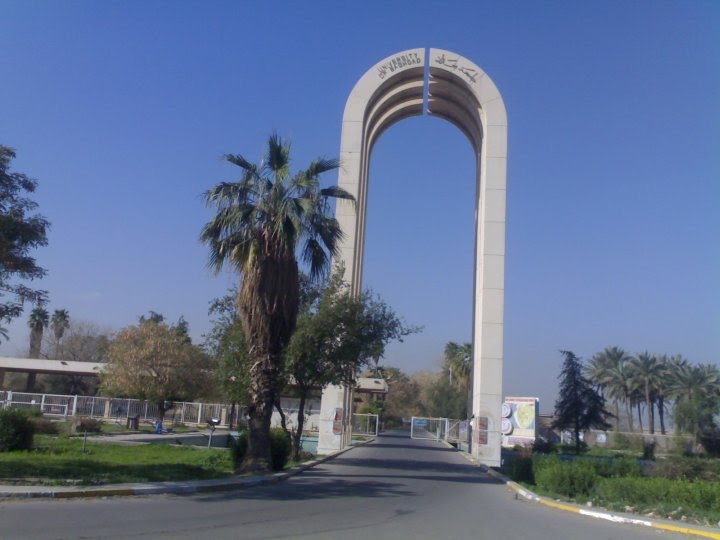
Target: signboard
[(519, 420), (420, 422)]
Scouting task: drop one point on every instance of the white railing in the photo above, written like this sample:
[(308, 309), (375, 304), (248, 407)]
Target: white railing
[(365, 424), (120, 409)]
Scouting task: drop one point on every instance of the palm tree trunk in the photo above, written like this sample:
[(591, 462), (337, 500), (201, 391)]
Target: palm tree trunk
[(628, 411), (639, 411), (650, 410), (617, 415), (262, 401), (661, 414)]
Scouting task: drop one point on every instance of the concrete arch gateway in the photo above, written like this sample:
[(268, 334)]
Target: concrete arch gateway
[(449, 86)]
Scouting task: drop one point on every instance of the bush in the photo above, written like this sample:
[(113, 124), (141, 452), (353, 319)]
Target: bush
[(83, 424), (698, 495), (238, 448), (543, 446), (521, 470), (16, 430), (44, 426), (686, 468), (279, 448), (572, 479)]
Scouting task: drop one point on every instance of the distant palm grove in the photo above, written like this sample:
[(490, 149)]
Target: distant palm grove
[(659, 389)]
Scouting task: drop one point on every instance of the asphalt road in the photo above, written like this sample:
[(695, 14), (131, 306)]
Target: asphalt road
[(394, 488)]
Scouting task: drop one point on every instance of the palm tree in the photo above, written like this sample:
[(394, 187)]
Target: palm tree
[(647, 371), (608, 371), (260, 222), (59, 323), (37, 322), (458, 360), (695, 389)]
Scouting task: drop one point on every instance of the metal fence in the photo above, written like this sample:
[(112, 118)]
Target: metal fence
[(120, 409), (439, 429), (365, 424)]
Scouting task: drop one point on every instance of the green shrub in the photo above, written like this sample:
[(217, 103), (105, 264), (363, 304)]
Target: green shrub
[(33, 412), (543, 446), (239, 448), (697, 495), (279, 448), (521, 470), (84, 424), (44, 426), (686, 468), (16, 431), (571, 479)]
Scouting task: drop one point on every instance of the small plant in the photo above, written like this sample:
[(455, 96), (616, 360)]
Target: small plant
[(16, 430)]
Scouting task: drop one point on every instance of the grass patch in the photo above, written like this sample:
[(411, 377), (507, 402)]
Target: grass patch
[(61, 461)]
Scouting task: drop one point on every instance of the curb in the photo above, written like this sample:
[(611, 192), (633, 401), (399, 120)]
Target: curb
[(567, 507), (161, 488)]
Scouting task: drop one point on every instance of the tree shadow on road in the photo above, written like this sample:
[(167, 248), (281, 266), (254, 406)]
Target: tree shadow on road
[(306, 487)]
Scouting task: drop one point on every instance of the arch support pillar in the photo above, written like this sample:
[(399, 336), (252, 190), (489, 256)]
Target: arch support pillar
[(446, 85)]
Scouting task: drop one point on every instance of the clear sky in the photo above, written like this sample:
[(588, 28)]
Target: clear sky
[(122, 111)]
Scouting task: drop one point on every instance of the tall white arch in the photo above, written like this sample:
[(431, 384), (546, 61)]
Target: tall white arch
[(460, 92)]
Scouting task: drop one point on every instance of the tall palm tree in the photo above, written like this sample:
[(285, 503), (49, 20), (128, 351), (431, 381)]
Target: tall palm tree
[(37, 322), (647, 371), (59, 323), (458, 360), (608, 371), (261, 221)]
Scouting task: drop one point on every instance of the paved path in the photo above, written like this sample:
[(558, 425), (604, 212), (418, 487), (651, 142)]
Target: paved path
[(393, 488)]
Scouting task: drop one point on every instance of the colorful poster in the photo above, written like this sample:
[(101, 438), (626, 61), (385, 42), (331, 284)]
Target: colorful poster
[(519, 420)]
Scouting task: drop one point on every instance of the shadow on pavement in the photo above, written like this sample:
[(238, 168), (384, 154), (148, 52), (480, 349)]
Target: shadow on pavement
[(312, 488)]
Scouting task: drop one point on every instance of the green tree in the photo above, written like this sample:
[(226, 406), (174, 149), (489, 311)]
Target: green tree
[(579, 406), (336, 335), (261, 221), (153, 361), (227, 348), (21, 231)]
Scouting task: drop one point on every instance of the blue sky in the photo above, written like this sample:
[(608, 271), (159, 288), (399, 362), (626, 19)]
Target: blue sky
[(122, 111)]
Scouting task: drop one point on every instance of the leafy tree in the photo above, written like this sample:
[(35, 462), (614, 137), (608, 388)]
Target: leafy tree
[(696, 390), (82, 341), (336, 335), (404, 398), (579, 406), (228, 351), (21, 231), (444, 400), (153, 361), (261, 221)]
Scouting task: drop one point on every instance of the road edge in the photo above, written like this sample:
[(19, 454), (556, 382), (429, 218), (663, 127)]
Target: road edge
[(577, 509)]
